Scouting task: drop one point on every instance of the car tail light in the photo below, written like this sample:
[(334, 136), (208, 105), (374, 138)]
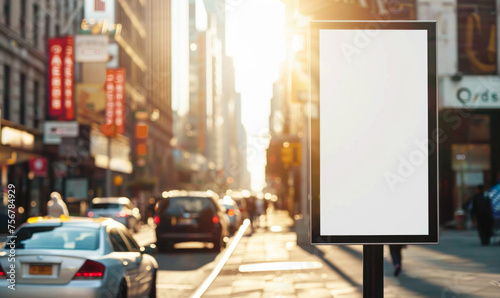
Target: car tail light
[(157, 219), (215, 219), (90, 270), (2, 273), (90, 214), (230, 212), (122, 213)]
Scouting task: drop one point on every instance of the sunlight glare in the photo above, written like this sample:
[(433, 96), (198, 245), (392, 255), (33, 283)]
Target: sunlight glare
[(255, 39)]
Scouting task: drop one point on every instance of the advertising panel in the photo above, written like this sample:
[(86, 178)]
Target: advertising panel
[(91, 48), (56, 46), (374, 150), (54, 131), (110, 96), (359, 9), (76, 189), (91, 101), (61, 99), (68, 95), (38, 166), (100, 10), (477, 37), (120, 100)]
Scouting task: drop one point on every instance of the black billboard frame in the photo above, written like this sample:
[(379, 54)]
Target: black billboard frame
[(315, 236)]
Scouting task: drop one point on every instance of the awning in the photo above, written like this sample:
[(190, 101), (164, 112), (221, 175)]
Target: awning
[(10, 156)]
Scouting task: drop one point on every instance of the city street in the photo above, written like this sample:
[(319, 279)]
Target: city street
[(458, 267), (178, 122)]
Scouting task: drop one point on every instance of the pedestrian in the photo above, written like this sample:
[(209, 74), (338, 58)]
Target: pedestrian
[(252, 209), (56, 206), (397, 257), (482, 211)]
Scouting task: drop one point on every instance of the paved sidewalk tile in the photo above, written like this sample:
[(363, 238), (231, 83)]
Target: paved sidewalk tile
[(270, 264)]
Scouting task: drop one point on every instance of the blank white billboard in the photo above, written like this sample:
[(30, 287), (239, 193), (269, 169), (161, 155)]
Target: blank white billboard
[(374, 171)]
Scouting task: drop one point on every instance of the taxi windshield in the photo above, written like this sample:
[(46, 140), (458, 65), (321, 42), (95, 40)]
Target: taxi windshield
[(57, 237)]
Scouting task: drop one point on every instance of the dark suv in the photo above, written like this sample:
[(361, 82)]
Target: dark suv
[(185, 216)]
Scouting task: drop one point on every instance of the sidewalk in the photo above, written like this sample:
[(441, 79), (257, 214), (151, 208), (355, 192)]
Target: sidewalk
[(458, 267), (270, 264)]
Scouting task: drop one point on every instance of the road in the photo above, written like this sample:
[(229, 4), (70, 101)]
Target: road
[(458, 267), (270, 263)]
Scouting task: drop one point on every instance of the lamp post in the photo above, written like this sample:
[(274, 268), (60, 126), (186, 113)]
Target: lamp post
[(108, 169)]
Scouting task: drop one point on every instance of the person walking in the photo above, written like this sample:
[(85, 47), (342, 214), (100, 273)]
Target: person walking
[(397, 257), (56, 206), (252, 210), (482, 211)]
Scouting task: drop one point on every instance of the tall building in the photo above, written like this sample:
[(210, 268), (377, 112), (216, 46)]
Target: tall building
[(85, 44), (234, 149), (208, 154), (25, 163), (158, 53)]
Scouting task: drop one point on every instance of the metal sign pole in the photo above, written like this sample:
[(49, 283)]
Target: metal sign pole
[(373, 271)]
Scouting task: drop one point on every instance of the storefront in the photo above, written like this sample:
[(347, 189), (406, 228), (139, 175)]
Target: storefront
[(22, 166), (119, 163), (469, 142)]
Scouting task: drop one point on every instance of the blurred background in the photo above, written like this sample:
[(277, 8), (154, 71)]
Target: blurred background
[(135, 98)]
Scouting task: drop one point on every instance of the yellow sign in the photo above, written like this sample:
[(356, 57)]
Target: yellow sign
[(291, 154)]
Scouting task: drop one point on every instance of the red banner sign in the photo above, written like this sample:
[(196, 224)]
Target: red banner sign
[(61, 97), (120, 100), (115, 101), (68, 79), (38, 166), (110, 96), (56, 46)]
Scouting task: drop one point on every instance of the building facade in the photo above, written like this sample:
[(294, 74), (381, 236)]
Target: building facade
[(25, 27), (468, 83)]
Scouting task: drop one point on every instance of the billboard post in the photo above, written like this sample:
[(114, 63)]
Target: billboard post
[(374, 146)]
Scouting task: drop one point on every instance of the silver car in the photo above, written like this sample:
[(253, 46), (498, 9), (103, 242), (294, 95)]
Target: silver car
[(75, 257), (117, 208)]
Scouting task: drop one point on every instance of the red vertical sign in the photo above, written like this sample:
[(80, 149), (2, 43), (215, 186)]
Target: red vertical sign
[(68, 79), (99, 5), (120, 100), (110, 97), (56, 46)]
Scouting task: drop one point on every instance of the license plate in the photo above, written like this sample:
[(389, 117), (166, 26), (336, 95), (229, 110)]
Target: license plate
[(185, 221), (41, 269)]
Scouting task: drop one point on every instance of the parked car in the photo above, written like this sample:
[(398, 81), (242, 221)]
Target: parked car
[(185, 216), (241, 201), (117, 208), (76, 257), (233, 212)]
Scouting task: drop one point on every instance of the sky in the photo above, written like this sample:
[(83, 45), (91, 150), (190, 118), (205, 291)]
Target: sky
[(255, 39)]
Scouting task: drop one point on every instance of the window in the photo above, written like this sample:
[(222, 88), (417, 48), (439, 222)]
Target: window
[(36, 22), (477, 53), (23, 20), (36, 104), (6, 12), (6, 93), (57, 237), (22, 98), (131, 242), (106, 206), (47, 29), (117, 241), (180, 205)]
